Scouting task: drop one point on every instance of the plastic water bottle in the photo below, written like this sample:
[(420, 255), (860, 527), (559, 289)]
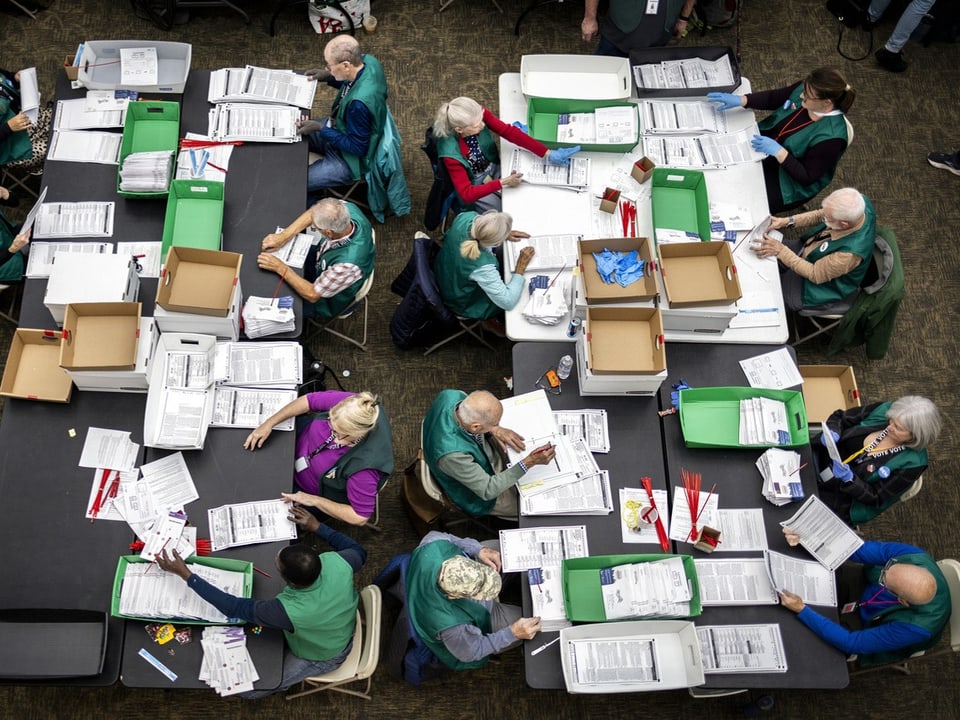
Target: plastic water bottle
[(564, 367)]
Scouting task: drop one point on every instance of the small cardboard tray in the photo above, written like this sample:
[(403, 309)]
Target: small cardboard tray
[(698, 273), (33, 371), (100, 336), (599, 292), (200, 282), (827, 388), (194, 216), (624, 341)]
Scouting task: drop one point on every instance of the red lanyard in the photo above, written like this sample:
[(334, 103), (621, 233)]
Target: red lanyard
[(873, 597), (787, 129)]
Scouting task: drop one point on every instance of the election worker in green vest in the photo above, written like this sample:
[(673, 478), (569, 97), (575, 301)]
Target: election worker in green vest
[(316, 610), (883, 451), (467, 271), (452, 585), (348, 139), (465, 448), (335, 267), (825, 267), (12, 261), (635, 24), (898, 604), (803, 138)]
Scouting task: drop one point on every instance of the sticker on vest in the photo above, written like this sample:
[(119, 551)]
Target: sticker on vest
[(824, 245), (884, 472), (330, 473), (300, 464)]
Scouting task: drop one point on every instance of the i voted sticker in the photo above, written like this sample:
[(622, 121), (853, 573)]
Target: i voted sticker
[(823, 246)]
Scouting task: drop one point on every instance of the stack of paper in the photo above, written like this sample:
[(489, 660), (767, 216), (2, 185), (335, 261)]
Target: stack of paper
[(537, 171), (149, 593), (249, 523), (551, 251), (546, 596), (67, 220), (294, 252), (548, 305), (776, 370), (763, 421), (78, 115), (655, 589), (268, 364), (781, 479), (261, 85), (40, 260), (250, 122), (742, 649), (227, 666), (146, 171), (681, 117), (268, 316), (85, 146), (688, 73), (711, 150), (588, 495), (588, 425), (248, 407), (633, 502), (572, 460), (823, 534)]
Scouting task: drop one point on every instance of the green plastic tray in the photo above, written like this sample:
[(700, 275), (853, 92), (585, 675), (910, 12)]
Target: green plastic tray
[(222, 563), (679, 201), (149, 126), (194, 215), (542, 114), (583, 598), (710, 417)]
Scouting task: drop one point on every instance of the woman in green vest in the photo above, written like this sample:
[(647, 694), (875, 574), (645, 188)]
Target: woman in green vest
[(884, 451), (12, 262), (803, 138), (467, 272)]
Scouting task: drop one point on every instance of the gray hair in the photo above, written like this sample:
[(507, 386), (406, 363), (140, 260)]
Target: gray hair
[(331, 214), (486, 231), (345, 48), (846, 203), (480, 406), (918, 415), (460, 112)]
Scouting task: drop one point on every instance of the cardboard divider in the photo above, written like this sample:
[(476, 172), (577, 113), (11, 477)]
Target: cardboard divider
[(100, 336), (698, 273)]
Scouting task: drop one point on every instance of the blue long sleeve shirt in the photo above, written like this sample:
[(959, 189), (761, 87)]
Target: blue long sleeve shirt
[(359, 127), (271, 613)]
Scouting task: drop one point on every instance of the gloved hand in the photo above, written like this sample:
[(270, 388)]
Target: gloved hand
[(728, 101), (761, 143), (561, 156), (836, 436), (842, 472), (521, 126)]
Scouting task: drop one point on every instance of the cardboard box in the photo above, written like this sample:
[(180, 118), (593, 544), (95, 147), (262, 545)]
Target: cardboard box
[(100, 65), (33, 369), (698, 273), (591, 384), (100, 336), (609, 200), (89, 277), (136, 380), (586, 77), (678, 201), (624, 341), (654, 56), (201, 282), (223, 328), (708, 319), (642, 169), (827, 388), (69, 68), (595, 291)]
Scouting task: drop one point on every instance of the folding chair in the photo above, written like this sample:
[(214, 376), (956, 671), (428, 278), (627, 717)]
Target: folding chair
[(21, 174), (342, 192), (442, 197), (10, 311), (375, 524), (912, 491), (362, 660)]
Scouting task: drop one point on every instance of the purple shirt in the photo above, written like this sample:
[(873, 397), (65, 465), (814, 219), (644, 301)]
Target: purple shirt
[(361, 486)]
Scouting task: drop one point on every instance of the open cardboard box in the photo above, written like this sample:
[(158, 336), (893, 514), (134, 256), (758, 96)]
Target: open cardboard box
[(100, 336), (198, 281), (33, 369), (624, 341), (827, 388), (698, 273), (124, 381), (597, 291)]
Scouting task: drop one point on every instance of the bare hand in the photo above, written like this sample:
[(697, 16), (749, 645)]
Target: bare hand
[(767, 247), (791, 601), (523, 259), (4, 193), (512, 180), (174, 564), (257, 437), (588, 29), (792, 538), (489, 557), (273, 241), (517, 235), (543, 455), (20, 241), (508, 438), (266, 261), (304, 518), (778, 222), (300, 498), (20, 122), (525, 628)]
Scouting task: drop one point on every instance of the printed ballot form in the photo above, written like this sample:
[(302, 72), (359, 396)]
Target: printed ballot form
[(249, 523), (823, 534), (742, 649)]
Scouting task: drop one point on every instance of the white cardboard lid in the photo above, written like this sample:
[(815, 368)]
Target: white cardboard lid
[(578, 77)]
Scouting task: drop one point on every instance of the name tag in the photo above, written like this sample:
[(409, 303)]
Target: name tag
[(652, 6), (300, 464)]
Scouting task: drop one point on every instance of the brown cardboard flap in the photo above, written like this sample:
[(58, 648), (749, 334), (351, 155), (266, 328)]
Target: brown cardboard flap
[(698, 273), (625, 341), (198, 281), (100, 336), (598, 291), (827, 388), (33, 369)]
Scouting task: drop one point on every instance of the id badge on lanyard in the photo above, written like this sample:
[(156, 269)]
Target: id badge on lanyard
[(652, 7)]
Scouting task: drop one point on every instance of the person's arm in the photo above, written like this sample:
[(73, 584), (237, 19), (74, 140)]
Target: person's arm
[(504, 296), (465, 470), (768, 99), (880, 638), (816, 162), (874, 552), (823, 270), (340, 511), (467, 545), (881, 490), (683, 18), (279, 239), (842, 420), (259, 435), (301, 286), (468, 643), (344, 545), (466, 190), (336, 278), (589, 25), (359, 129), (513, 134)]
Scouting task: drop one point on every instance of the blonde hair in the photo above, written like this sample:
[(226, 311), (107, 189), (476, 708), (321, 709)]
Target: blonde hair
[(357, 415), (487, 230), (460, 112)]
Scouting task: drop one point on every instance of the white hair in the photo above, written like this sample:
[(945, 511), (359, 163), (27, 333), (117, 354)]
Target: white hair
[(846, 205)]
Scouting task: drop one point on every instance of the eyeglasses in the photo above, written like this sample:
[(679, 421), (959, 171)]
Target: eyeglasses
[(808, 94), (881, 581), (328, 66)]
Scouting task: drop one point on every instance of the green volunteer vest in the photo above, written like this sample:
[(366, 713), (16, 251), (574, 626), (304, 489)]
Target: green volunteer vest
[(932, 617), (859, 243), (462, 295), (13, 269), (627, 14), (443, 435), (360, 251), (431, 611), (832, 126), (449, 147), (323, 615), (906, 458), (374, 452), (18, 146), (370, 88)]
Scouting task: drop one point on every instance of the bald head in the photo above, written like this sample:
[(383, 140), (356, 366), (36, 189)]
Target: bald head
[(913, 585), (480, 412), (343, 48)]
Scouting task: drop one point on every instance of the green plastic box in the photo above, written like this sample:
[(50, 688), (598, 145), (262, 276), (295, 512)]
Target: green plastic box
[(543, 114), (194, 215), (679, 201), (149, 127), (222, 563), (582, 597), (710, 417)]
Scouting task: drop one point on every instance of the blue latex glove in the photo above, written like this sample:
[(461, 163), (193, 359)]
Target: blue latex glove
[(675, 395), (521, 126), (761, 143), (836, 436), (607, 262), (561, 156), (629, 269), (842, 472), (728, 101)]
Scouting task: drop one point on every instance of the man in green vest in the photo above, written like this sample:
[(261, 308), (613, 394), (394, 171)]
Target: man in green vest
[(632, 24), (336, 267), (348, 139), (452, 585), (824, 268), (903, 608), (465, 449), (316, 610)]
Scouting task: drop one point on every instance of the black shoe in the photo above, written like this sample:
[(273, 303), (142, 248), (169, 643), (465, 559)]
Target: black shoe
[(11, 201), (944, 161), (867, 24), (891, 61)]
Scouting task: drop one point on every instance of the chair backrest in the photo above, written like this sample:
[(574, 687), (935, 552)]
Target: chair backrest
[(849, 130), (372, 603), (882, 264), (951, 571), (442, 193), (368, 283), (912, 491), (430, 486), (424, 250)]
